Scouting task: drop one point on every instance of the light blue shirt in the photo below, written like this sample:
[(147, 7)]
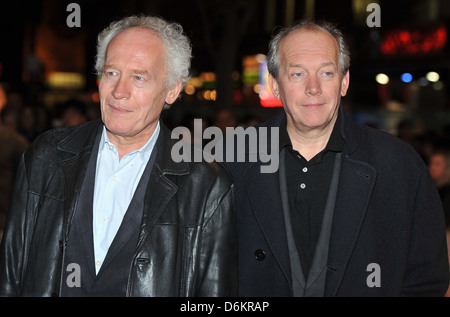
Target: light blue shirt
[(115, 184)]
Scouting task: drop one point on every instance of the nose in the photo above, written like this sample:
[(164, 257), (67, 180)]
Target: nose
[(313, 86), (121, 89)]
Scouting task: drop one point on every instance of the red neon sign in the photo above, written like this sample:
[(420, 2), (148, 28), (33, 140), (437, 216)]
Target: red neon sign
[(414, 42)]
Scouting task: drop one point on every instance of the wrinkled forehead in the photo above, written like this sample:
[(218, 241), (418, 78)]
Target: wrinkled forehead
[(136, 35), (313, 43)]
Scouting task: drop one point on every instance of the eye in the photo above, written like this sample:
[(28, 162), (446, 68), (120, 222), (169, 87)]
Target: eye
[(328, 74), (297, 76), (110, 73), (139, 78)]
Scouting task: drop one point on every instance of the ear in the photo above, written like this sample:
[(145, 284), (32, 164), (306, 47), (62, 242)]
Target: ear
[(345, 83), (173, 93), (274, 87)]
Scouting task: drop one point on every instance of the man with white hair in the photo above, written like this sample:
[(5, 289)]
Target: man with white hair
[(101, 209)]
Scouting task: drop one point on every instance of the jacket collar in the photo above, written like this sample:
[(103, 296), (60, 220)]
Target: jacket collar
[(164, 159), (82, 138), (79, 143)]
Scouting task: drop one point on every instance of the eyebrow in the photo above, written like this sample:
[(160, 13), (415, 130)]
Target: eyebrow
[(140, 72), (134, 71), (321, 65)]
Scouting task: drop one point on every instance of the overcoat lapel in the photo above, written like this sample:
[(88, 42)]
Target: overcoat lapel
[(263, 190), (355, 189), (356, 183)]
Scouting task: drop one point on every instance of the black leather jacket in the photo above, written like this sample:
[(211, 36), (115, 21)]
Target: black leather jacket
[(187, 242)]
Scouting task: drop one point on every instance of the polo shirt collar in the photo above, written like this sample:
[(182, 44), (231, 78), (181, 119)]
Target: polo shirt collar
[(335, 143)]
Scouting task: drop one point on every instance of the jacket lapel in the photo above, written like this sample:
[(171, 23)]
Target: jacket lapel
[(84, 206), (78, 147), (263, 191), (162, 183), (356, 185)]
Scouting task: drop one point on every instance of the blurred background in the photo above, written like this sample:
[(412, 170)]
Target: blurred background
[(399, 74), (399, 71)]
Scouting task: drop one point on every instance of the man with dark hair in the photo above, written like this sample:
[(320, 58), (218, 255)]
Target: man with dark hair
[(351, 211)]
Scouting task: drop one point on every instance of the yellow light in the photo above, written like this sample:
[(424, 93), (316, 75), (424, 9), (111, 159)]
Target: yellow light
[(195, 82), (66, 80), (189, 89), (213, 95), (207, 94), (208, 76), (433, 77), (382, 79)]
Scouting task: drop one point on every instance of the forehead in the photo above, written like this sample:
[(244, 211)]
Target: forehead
[(136, 41), (309, 45)]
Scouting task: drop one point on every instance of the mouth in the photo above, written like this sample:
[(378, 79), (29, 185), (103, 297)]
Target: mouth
[(313, 106), (117, 109)]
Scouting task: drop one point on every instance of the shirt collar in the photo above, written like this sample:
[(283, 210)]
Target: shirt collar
[(335, 142), (144, 151)]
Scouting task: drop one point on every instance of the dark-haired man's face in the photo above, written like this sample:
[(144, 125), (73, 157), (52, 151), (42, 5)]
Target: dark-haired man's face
[(310, 83)]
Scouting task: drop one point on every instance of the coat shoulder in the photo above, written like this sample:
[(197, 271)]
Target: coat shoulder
[(382, 148), (213, 172)]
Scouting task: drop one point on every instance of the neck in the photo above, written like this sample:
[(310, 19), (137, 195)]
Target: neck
[(309, 142), (128, 144)]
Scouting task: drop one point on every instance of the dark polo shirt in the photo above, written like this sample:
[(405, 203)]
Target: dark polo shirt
[(308, 184)]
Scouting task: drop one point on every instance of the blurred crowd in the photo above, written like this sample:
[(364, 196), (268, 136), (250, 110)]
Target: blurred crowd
[(21, 123), (434, 148)]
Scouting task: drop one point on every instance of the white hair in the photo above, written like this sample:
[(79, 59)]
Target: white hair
[(177, 45)]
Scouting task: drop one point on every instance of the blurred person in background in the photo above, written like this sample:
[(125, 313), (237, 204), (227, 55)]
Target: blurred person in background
[(13, 145), (73, 112), (27, 122), (439, 167), (10, 117), (107, 195), (224, 118)]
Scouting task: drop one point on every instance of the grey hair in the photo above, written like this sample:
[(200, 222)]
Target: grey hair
[(176, 43), (274, 60)]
